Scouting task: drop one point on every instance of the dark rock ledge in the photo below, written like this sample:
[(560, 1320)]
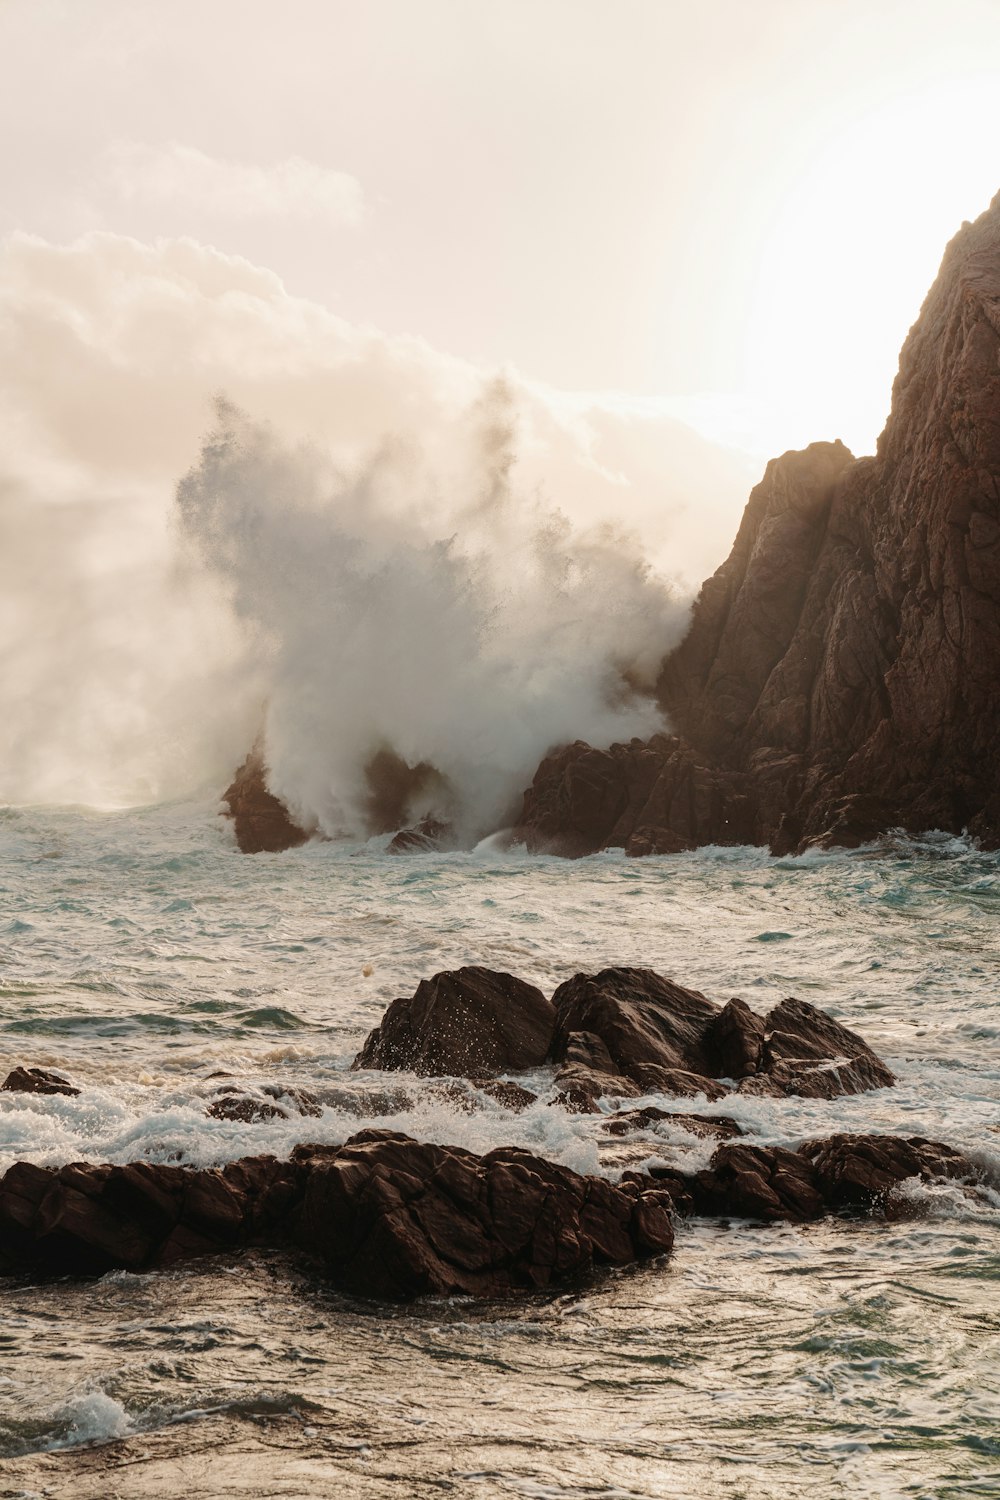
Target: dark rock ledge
[(387, 1216)]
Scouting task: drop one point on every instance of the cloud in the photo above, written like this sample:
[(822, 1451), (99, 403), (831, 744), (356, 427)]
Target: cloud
[(135, 665), (185, 176)]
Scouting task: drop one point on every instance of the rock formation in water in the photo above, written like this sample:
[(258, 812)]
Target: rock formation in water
[(262, 823), (619, 1033), (841, 673), (386, 1216), (391, 1217), (466, 1023)]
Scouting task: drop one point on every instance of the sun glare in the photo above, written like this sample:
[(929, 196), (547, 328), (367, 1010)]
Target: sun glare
[(833, 304)]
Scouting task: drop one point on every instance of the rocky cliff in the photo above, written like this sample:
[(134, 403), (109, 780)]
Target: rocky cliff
[(841, 673)]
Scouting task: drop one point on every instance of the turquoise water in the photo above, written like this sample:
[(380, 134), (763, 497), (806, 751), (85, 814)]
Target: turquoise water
[(140, 953)]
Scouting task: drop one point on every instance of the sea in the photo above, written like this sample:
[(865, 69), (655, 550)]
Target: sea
[(140, 953)]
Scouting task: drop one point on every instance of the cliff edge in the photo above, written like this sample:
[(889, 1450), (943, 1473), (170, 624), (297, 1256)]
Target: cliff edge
[(841, 673)]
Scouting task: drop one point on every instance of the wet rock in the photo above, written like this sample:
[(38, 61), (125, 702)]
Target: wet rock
[(85, 1220), (36, 1081), (261, 822), (394, 1218), (735, 1040), (425, 837), (639, 1019), (861, 1171), (469, 1023), (707, 1127), (758, 1182), (807, 1052), (274, 1101)]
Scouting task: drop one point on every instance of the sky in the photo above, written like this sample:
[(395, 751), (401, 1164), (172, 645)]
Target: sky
[(732, 207), (667, 241)]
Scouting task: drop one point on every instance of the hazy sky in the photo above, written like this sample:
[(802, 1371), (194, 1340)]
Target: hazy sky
[(732, 207)]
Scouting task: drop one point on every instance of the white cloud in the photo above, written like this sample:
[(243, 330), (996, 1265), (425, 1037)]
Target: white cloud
[(183, 175)]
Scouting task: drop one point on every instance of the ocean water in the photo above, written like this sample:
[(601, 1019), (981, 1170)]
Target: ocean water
[(140, 953)]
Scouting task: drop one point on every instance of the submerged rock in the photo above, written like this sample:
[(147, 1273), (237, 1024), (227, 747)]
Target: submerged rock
[(470, 1023), (36, 1081)]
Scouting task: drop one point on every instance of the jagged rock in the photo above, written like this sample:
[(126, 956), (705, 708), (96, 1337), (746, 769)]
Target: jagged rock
[(469, 1023), (387, 1215), (860, 1171), (85, 1220), (618, 1034), (36, 1081), (839, 675), (757, 1182), (807, 1052), (391, 1217), (638, 1018), (735, 1040), (261, 822), (840, 1172)]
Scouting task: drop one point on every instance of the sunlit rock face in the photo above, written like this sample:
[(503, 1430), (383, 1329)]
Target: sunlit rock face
[(839, 677)]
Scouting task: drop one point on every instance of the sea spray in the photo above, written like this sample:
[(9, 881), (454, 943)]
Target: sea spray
[(435, 610)]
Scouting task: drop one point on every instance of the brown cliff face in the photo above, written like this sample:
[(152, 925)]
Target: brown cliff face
[(841, 674)]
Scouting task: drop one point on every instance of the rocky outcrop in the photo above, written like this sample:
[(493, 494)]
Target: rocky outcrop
[(262, 824), (470, 1023), (393, 1218), (618, 1034), (842, 1173), (628, 1031), (839, 675), (387, 1216)]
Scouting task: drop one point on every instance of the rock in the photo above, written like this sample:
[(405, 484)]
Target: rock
[(735, 1040), (394, 1218), (425, 837), (838, 1173), (86, 1220), (261, 822), (637, 1017), (708, 1127), (861, 1171), (838, 678), (469, 1023), (807, 1052), (274, 1102), (36, 1081), (757, 1182)]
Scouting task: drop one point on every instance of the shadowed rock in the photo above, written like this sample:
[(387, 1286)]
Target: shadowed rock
[(469, 1022), (839, 675), (394, 1218), (262, 823), (386, 1215), (36, 1081)]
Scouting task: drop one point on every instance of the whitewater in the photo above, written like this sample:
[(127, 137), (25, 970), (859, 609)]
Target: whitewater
[(142, 954)]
